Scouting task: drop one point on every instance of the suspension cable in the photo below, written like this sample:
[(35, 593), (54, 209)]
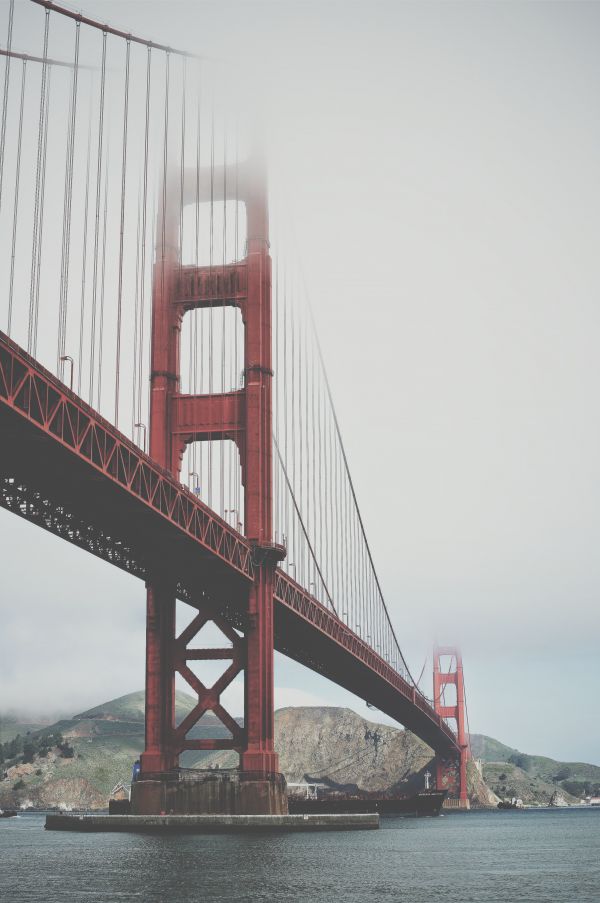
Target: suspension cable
[(38, 180), (16, 197), (102, 26), (85, 244), (122, 230), (67, 205), (11, 12), (352, 489), (297, 509), (97, 217), (144, 231)]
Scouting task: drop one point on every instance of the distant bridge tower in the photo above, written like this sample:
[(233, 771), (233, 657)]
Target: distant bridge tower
[(451, 771)]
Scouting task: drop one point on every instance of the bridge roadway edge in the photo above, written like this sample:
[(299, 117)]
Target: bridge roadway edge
[(32, 456)]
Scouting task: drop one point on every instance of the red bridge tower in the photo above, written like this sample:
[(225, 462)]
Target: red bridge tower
[(451, 771), (245, 417)]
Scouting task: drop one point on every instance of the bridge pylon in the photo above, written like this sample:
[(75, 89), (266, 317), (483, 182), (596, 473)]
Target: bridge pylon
[(451, 769), (243, 416)]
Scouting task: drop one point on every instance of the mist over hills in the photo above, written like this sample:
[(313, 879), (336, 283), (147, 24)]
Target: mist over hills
[(334, 746)]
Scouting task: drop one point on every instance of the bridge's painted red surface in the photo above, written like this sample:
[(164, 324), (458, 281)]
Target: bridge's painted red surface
[(451, 769), (245, 417), (49, 476)]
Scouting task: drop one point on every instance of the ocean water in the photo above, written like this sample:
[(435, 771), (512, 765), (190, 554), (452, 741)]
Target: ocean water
[(547, 856)]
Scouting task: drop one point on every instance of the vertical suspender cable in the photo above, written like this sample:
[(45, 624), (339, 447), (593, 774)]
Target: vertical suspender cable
[(16, 198), (85, 243), (67, 204), (313, 432), (320, 464), (149, 350), (325, 501), (164, 174), (182, 171), (7, 59), (137, 351), (223, 321), (40, 235), (38, 187), (340, 526), (182, 186), (355, 599), (196, 350), (277, 487), (211, 306), (285, 401), (300, 561), (97, 217), (236, 479), (293, 426), (306, 439), (122, 230), (142, 312), (103, 278)]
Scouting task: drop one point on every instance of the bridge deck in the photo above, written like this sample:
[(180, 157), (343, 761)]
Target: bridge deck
[(65, 468)]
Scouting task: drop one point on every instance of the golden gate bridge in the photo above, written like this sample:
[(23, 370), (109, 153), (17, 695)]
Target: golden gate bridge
[(164, 402)]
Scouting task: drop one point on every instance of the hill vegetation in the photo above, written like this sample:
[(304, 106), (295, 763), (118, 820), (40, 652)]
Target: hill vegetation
[(510, 772), (12, 724), (76, 762)]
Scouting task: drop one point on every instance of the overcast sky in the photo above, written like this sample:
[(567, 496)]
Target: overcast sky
[(440, 162)]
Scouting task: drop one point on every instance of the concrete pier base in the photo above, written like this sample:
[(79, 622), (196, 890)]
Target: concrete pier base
[(217, 792), (462, 805), (211, 824)]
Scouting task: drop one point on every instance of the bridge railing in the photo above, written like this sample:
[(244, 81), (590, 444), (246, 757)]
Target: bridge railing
[(35, 393), (292, 594)]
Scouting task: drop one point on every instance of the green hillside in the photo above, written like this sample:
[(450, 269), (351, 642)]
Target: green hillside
[(489, 750), (131, 708), (509, 772), (105, 742), (11, 725)]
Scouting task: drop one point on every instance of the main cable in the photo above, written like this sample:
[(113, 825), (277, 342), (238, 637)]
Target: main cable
[(302, 524)]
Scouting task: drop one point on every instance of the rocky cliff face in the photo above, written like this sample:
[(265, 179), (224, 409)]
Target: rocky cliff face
[(480, 795), (51, 782), (338, 747)]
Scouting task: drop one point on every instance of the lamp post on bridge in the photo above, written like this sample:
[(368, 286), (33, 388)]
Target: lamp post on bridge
[(64, 358), (142, 426), (237, 522)]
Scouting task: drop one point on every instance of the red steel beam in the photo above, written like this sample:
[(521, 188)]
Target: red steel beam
[(36, 395), (206, 286), (290, 594), (103, 26), (216, 416)]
